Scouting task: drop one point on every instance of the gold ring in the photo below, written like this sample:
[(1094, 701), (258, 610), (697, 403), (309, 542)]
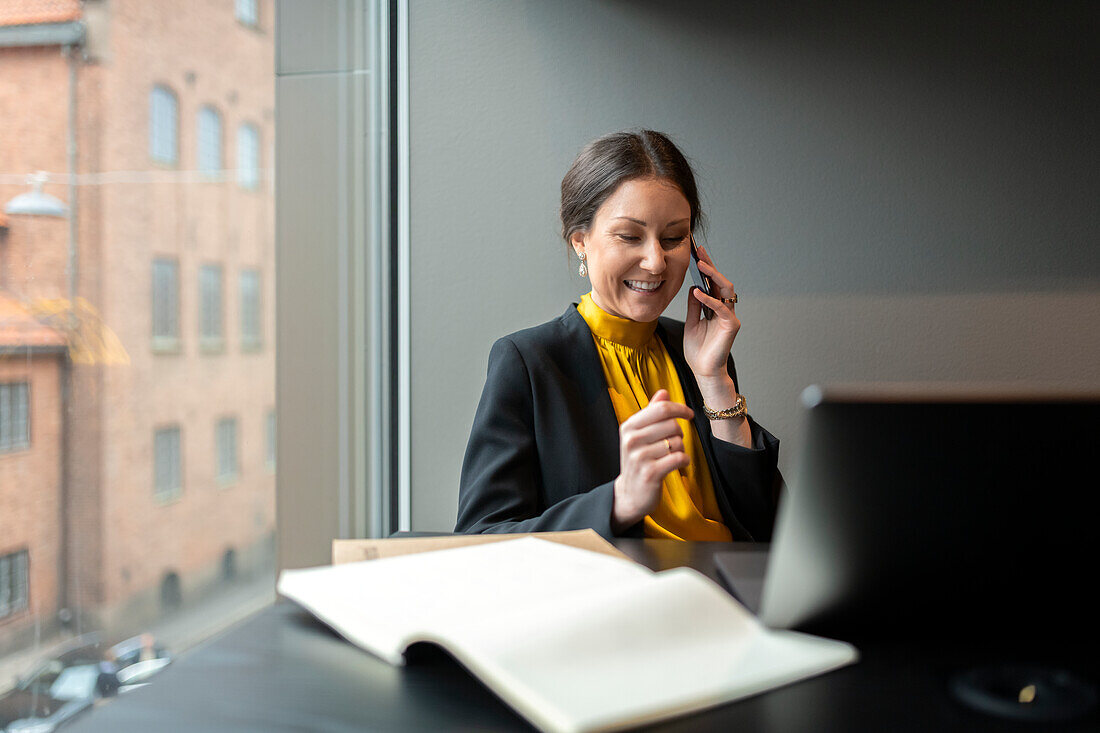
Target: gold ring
[(668, 445), (730, 301)]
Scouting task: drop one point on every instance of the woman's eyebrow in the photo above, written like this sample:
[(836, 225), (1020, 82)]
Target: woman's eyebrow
[(642, 223)]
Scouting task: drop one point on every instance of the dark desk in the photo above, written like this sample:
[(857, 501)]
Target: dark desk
[(282, 671)]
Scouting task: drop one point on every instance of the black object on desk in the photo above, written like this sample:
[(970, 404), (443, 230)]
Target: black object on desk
[(742, 573), (930, 512), (943, 511), (1042, 694)]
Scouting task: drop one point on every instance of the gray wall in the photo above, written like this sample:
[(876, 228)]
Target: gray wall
[(896, 195)]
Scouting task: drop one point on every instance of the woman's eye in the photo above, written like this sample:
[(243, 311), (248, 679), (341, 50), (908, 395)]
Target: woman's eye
[(668, 242)]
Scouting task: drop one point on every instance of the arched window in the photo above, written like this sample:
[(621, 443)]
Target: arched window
[(163, 125), (210, 141), (171, 592), (248, 156)]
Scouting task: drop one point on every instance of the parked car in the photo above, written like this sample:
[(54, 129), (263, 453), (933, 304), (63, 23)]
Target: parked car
[(78, 675), (137, 659)]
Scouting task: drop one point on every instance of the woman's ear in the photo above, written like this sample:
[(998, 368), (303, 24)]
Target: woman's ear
[(576, 240)]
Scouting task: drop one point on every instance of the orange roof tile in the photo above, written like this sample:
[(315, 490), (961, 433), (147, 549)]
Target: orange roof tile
[(28, 12), (18, 328)]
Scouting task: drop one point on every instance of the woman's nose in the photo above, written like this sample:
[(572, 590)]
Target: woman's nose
[(654, 258)]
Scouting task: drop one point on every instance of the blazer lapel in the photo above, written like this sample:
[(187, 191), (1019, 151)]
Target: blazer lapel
[(588, 377)]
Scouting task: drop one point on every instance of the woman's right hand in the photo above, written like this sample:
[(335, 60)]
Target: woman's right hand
[(645, 458)]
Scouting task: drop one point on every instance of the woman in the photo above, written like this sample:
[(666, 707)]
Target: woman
[(603, 417)]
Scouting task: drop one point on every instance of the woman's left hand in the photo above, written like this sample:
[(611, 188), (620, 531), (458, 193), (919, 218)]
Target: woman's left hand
[(707, 344)]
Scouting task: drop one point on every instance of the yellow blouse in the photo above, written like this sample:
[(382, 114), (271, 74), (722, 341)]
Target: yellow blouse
[(636, 365)]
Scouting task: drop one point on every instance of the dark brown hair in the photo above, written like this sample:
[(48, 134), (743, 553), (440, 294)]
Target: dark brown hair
[(607, 162)]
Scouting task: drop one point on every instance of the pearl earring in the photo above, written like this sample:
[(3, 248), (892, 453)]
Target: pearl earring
[(583, 269)]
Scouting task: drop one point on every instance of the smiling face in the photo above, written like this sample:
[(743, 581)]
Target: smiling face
[(637, 248)]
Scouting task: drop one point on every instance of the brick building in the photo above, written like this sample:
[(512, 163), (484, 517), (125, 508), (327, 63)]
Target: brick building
[(32, 370), (153, 121)]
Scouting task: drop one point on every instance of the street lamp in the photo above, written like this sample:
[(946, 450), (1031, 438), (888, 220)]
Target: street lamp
[(37, 202)]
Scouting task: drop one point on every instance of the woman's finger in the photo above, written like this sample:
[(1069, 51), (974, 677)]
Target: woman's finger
[(712, 272), (695, 311), (673, 444), (656, 412), (724, 311), (655, 433), (656, 451), (665, 465), (659, 408), (704, 255)]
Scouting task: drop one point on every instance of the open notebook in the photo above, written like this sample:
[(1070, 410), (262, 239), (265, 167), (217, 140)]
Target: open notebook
[(571, 639)]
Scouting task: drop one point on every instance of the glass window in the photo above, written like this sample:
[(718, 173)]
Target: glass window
[(247, 12), (248, 156), (14, 583), (210, 306), (163, 121), (106, 381), (165, 303), (210, 141), (226, 440), (167, 464), (250, 310), (15, 432)]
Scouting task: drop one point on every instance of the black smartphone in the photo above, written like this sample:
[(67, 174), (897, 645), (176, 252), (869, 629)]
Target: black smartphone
[(701, 281)]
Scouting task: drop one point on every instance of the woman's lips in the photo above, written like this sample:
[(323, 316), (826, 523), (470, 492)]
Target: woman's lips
[(638, 286)]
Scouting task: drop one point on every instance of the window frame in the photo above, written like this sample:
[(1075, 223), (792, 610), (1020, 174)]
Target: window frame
[(209, 114), (227, 429), (15, 562), (170, 494), (211, 343), (343, 276), (250, 305), (165, 343), (157, 115), (7, 420), (248, 170)]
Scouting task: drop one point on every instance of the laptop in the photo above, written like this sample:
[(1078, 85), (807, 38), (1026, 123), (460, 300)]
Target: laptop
[(742, 572), (938, 510)]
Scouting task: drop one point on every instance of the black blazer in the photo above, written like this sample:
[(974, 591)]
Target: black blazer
[(543, 452)]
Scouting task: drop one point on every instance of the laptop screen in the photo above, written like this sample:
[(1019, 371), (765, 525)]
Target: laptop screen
[(940, 510)]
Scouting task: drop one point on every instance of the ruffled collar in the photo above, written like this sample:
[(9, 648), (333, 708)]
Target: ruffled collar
[(623, 331)]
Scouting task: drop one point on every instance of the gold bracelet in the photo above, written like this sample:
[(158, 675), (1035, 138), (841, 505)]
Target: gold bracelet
[(739, 409)]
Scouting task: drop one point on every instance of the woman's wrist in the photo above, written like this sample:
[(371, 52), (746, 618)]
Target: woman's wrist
[(720, 393), (621, 515)]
